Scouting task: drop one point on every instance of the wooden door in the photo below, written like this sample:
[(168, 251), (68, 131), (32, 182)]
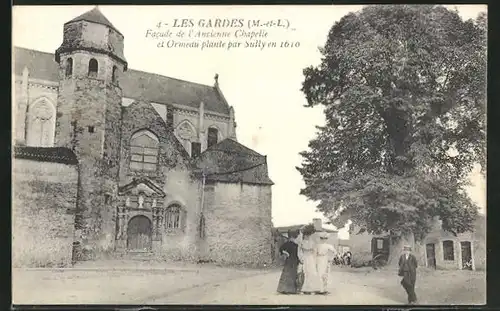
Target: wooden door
[(430, 250), (466, 255), (139, 234)]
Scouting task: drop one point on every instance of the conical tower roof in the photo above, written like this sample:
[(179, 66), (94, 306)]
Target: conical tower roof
[(95, 16)]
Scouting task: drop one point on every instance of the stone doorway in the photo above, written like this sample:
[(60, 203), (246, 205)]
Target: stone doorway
[(139, 234), (466, 255)]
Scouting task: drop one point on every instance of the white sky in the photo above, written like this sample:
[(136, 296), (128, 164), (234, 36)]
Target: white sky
[(263, 86)]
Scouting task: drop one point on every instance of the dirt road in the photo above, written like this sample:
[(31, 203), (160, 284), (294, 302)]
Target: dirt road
[(261, 289)]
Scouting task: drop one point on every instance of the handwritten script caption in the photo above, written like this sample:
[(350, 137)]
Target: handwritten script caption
[(223, 33)]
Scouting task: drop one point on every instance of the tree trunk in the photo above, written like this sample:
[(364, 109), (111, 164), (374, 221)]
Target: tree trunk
[(396, 247)]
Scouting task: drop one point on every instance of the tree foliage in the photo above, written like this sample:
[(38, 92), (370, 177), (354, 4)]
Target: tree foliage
[(403, 89)]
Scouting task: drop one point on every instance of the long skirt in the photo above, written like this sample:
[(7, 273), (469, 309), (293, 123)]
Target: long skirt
[(324, 272), (288, 280), (312, 280)]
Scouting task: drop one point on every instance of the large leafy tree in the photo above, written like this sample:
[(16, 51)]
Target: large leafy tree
[(403, 89)]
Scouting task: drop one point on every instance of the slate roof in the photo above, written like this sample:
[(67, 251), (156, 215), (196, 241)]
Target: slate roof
[(297, 227), (230, 161), (232, 146), (135, 84), (94, 16), (46, 154)]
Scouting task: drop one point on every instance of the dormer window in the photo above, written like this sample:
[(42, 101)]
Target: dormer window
[(93, 68), (69, 67)]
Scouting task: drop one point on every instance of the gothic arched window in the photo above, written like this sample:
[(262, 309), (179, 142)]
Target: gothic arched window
[(40, 124), (212, 137), (93, 68), (69, 67), (144, 147), (174, 217), (186, 133)]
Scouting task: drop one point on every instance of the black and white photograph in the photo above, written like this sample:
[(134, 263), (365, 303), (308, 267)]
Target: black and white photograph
[(249, 155)]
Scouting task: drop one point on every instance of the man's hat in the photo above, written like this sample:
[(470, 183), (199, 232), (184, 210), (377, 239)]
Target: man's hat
[(407, 248)]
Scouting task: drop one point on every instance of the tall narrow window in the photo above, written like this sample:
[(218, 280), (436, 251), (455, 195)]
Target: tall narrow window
[(93, 68), (448, 250), (195, 149), (69, 67), (213, 134), (114, 76), (173, 217), (144, 146)]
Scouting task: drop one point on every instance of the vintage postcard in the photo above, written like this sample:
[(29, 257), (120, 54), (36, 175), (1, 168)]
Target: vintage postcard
[(280, 155)]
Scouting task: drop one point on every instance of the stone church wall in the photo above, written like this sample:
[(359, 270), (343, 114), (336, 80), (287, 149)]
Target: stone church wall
[(25, 96), (238, 223), (181, 189), (43, 207)]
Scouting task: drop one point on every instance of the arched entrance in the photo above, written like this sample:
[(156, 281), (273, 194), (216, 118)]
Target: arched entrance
[(139, 233)]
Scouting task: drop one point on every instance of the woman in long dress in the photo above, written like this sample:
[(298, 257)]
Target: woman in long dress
[(308, 259), (325, 253), (288, 280)]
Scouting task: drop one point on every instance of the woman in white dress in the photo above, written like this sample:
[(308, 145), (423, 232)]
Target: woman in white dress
[(324, 257), (307, 257)]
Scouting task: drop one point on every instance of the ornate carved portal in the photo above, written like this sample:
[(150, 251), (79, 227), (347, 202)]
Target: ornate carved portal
[(140, 198)]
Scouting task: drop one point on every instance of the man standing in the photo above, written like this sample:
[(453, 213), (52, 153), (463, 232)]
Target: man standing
[(408, 270)]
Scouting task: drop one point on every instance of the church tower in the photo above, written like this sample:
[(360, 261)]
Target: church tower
[(90, 62)]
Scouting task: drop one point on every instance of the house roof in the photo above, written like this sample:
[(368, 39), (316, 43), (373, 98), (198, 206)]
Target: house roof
[(135, 84), (297, 227), (94, 16), (46, 154), (230, 161), (231, 146)]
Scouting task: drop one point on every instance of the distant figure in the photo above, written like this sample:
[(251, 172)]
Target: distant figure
[(288, 280), (325, 253), (307, 256), (408, 270), (348, 257)]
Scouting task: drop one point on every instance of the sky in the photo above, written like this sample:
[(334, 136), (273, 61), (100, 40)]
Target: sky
[(263, 86)]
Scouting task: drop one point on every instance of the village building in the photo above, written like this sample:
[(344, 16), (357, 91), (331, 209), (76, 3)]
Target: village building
[(121, 161), (440, 249)]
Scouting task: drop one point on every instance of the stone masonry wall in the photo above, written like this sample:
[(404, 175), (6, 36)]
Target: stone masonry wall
[(44, 202), (183, 190), (27, 95), (238, 224), (172, 175)]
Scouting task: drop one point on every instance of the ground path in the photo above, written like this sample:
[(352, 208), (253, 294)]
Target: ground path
[(137, 282), (261, 289)]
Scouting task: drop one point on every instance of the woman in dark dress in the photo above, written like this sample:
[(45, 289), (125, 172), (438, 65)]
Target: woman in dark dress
[(288, 280)]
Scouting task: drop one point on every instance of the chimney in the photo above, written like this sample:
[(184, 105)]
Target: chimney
[(318, 225)]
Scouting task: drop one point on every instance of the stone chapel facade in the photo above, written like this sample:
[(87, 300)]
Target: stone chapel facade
[(160, 170)]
